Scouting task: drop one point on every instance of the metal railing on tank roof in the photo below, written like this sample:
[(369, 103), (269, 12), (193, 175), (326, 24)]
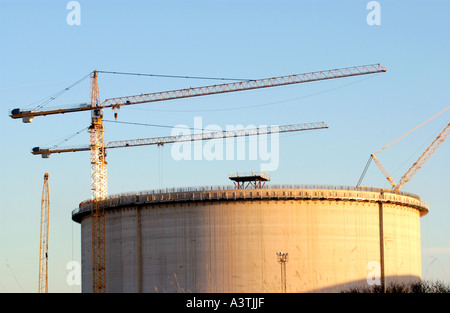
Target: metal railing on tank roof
[(229, 192)]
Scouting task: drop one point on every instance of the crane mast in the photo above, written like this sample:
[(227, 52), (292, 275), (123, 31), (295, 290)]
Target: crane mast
[(98, 187), (97, 147), (43, 248)]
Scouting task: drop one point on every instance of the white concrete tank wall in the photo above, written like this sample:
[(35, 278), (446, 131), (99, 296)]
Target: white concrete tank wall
[(227, 240)]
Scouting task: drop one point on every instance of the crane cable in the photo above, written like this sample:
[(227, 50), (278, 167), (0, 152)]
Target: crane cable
[(51, 98), (257, 105), (175, 76), (412, 130), (153, 125), (364, 172)]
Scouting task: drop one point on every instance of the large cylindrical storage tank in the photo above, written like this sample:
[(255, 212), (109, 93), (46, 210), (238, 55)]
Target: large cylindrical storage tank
[(222, 239)]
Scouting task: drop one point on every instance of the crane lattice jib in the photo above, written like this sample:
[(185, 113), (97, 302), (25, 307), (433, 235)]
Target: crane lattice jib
[(99, 190), (424, 157), (383, 170), (244, 85), (209, 90), (45, 152), (216, 135)]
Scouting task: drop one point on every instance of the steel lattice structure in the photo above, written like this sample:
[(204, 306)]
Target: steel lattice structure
[(43, 249), (282, 259), (97, 147)]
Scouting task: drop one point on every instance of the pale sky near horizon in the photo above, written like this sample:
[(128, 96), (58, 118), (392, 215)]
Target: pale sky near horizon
[(41, 54)]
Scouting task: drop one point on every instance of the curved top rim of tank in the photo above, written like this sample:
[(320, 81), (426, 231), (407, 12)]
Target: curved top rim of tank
[(203, 193)]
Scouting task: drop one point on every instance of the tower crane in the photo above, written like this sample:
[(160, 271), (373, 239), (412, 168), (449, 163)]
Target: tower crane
[(424, 157), (43, 249), (160, 141), (97, 146)]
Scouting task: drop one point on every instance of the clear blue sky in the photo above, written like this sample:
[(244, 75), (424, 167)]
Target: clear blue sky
[(40, 54)]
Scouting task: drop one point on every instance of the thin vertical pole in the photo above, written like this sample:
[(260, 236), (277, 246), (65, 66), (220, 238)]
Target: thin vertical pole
[(381, 228)]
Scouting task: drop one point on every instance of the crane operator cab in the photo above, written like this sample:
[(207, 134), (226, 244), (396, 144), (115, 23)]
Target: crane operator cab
[(97, 113)]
